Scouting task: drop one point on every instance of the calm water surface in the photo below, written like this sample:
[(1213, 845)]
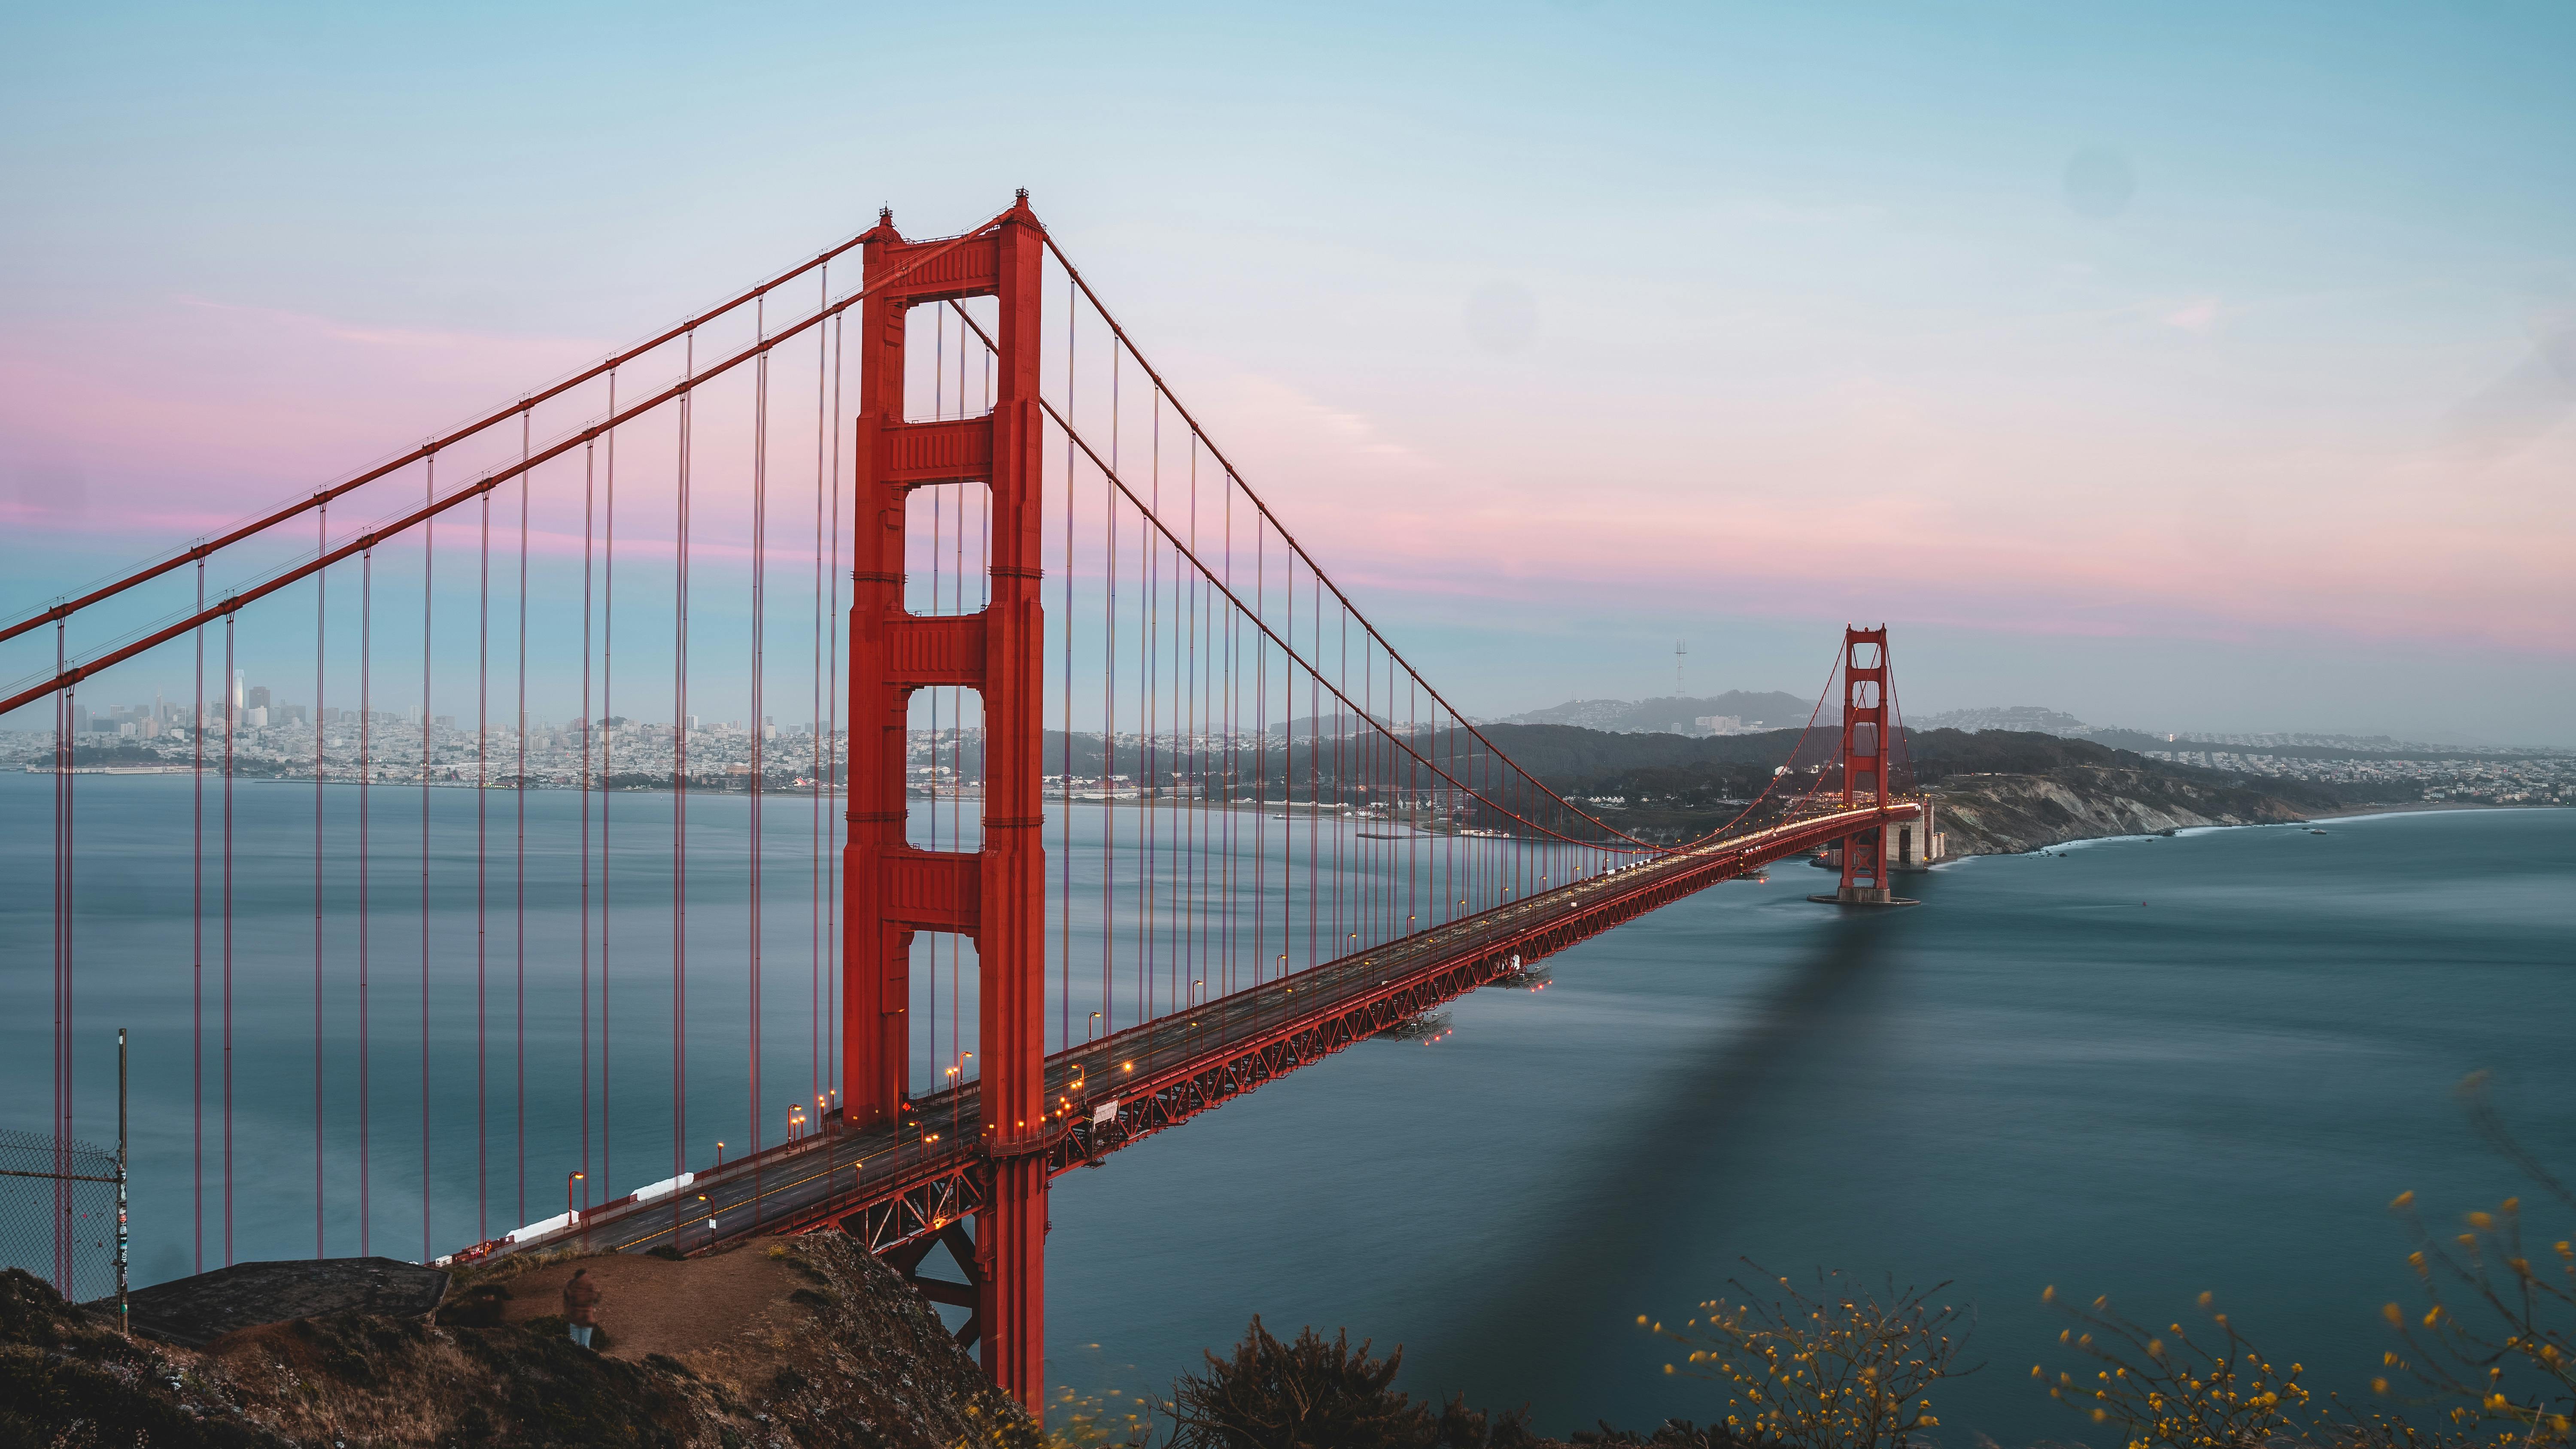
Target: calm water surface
[(2140, 1067)]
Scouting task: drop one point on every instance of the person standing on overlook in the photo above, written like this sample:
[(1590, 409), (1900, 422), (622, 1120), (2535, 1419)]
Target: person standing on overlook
[(580, 1296)]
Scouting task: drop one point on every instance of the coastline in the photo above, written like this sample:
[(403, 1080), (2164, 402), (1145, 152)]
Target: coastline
[(2355, 813), (2014, 814), (2423, 807)]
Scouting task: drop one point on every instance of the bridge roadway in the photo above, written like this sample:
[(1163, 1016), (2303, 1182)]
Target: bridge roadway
[(894, 1185)]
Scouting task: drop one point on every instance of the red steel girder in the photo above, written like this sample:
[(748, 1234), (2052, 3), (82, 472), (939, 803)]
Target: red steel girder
[(896, 1210), (884, 1188)]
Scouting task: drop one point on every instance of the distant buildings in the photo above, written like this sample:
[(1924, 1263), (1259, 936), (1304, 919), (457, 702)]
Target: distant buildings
[(2523, 779)]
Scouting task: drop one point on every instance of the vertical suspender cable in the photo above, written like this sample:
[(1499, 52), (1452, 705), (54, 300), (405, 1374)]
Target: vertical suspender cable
[(759, 721), (321, 614), (608, 767), (956, 797), (1064, 822), (58, 1122), (71, 861), (1415, 862), (831, 740), (232, 724), (1288, 667), (1185, 719), (1186, 582), (1148, 675), (1261, 732), (1064, 814), (938, 535), (366, 932), (814, 725), (1287, 765), (1108, 759), (428, 582), (70, 783), (482, 826), (196, 935), (680, 794), (589, 457), (957, 741), (1225, 718), (1148, 623), (956, 793), (519, 843)]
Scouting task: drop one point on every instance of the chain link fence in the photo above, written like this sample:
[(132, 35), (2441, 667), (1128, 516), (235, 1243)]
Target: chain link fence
[(58, 1212)]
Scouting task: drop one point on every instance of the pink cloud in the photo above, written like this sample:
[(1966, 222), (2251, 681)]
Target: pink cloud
[(1962, 510), (1962, 503)]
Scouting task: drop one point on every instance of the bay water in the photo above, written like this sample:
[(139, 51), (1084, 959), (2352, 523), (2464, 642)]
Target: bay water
[(2142, 1068)]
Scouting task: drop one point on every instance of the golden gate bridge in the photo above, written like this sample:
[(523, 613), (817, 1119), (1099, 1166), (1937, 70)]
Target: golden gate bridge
[(1066, 604)]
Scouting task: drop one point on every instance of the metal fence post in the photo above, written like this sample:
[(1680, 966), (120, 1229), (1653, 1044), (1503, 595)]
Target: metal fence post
[(123, 1321)]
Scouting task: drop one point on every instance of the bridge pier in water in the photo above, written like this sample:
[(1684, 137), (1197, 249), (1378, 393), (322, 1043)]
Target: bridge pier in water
[(997, 894)]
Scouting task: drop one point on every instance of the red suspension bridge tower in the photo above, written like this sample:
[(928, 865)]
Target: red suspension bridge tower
[(1866, 743), (995, 895), (1247, 657)]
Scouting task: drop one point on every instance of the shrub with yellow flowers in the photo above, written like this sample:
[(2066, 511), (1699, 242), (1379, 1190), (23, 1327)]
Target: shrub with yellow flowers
[(1830, 1367), (2171, 1390), (2489, 1357), (1105, 1420), (2495, 1337)]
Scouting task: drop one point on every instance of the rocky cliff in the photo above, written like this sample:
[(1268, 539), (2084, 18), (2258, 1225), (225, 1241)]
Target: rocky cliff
[(2002, 814), (805, 1341)]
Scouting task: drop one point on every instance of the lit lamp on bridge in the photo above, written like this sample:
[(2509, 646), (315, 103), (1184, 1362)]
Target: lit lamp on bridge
[(569, 1180)]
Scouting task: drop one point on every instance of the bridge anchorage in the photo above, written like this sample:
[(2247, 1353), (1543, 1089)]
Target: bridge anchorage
[(1221, 828)]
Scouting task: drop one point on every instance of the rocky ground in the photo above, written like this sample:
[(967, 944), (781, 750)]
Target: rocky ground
[(804, 1341), (2002, 814)]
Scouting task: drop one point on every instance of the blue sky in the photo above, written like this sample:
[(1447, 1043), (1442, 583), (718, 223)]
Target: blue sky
[(2183, 366)]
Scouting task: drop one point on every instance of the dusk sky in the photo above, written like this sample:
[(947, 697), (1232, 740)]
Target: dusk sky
[(2179, 367)]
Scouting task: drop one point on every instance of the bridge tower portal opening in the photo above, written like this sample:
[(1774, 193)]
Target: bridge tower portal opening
[(996, 894)]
